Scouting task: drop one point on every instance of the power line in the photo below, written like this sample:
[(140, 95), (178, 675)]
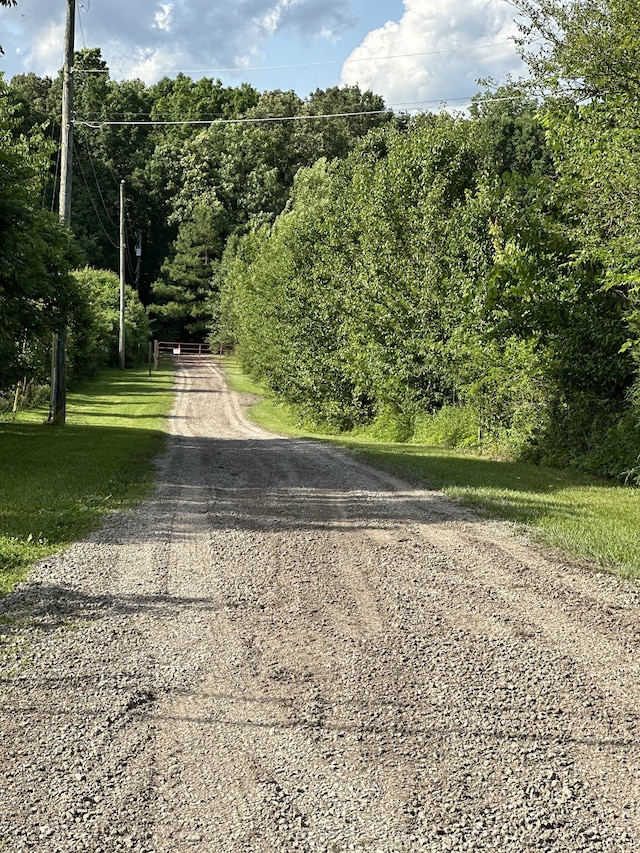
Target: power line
[(250, 69), (252, 120), (415, 105), (93, 203), (84, 43)]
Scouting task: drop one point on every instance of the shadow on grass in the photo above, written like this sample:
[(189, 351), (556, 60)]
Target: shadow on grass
[(436, 468), (56, 484), (101, 415), (583, 515), (287, 485)]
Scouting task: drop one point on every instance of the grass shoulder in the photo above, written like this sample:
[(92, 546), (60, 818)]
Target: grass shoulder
[(57, 482), (585, 517)]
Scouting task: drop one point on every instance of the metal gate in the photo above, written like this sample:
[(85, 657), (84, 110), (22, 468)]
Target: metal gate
[(180, 352)]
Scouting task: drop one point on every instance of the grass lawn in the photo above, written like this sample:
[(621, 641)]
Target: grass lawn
[(56, 483), (583, 516)]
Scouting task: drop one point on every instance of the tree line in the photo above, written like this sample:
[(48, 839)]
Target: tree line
[(199, 166), (470, 279)]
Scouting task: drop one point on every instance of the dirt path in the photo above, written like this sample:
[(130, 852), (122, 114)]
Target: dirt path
[(287, 650)]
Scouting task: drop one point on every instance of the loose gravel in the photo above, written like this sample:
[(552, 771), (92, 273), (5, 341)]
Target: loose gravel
[(287, 650)]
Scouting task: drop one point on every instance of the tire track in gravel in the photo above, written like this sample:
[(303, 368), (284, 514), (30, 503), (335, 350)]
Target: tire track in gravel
[(285, 649)]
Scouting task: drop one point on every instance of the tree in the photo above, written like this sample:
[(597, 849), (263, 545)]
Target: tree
[(587, 52), (94, 327), (355, 113), (180, 296), (36, 251), (437, 265), (585, 48)]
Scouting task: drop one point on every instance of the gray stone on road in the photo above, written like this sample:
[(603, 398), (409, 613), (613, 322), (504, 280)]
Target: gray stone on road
[(285, 649)]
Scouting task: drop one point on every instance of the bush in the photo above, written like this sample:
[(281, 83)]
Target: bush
[(451, 426), (590, 434), (94, 332), (390, 425)]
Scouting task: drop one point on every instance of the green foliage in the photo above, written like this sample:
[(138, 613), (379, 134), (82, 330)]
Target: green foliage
[(93, 334), (180, 308), (586, 47), (390, 424), (590, 49), (36, 254), (451, 426), (189, 188), (477, 276), (438, 262)]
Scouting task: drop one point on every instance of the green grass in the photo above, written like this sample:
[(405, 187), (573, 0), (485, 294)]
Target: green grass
[(56, 483), (584, 517)]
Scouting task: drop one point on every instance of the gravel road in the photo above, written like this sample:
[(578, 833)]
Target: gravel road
[(284, 649)]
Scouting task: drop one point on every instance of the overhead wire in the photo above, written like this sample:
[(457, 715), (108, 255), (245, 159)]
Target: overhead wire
[(284, 66), (248, 69), (128, 231), (250, 120), (100, 123), (92, 199), (104, 204), (415, 106), (79, 16), (114, 225)]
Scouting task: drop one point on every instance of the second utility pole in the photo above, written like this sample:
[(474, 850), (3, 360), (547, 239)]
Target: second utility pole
[(121, 336)]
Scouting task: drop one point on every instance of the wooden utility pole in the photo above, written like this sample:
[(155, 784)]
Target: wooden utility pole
[(136, 283), (58, 410), (121, 336), (66, 139)]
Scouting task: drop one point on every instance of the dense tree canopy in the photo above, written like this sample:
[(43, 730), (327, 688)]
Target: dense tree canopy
[(473, 278), (35, 250), (436, 267)]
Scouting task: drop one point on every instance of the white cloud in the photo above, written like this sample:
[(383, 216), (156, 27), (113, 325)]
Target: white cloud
[(150, 64), (194, 34), (440, 49), (47, 51), (270, 21), (162, 19), (456, 42)]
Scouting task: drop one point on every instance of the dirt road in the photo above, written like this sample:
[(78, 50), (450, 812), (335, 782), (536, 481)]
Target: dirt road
[(286, 650)]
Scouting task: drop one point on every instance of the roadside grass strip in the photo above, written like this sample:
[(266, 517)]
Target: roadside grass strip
[(57, 482), (584, 517)]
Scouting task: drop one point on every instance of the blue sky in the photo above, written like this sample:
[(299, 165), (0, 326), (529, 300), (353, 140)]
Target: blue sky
[(415, 53)]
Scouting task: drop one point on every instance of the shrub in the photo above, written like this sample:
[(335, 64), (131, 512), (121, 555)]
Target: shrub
[(451, 426)]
